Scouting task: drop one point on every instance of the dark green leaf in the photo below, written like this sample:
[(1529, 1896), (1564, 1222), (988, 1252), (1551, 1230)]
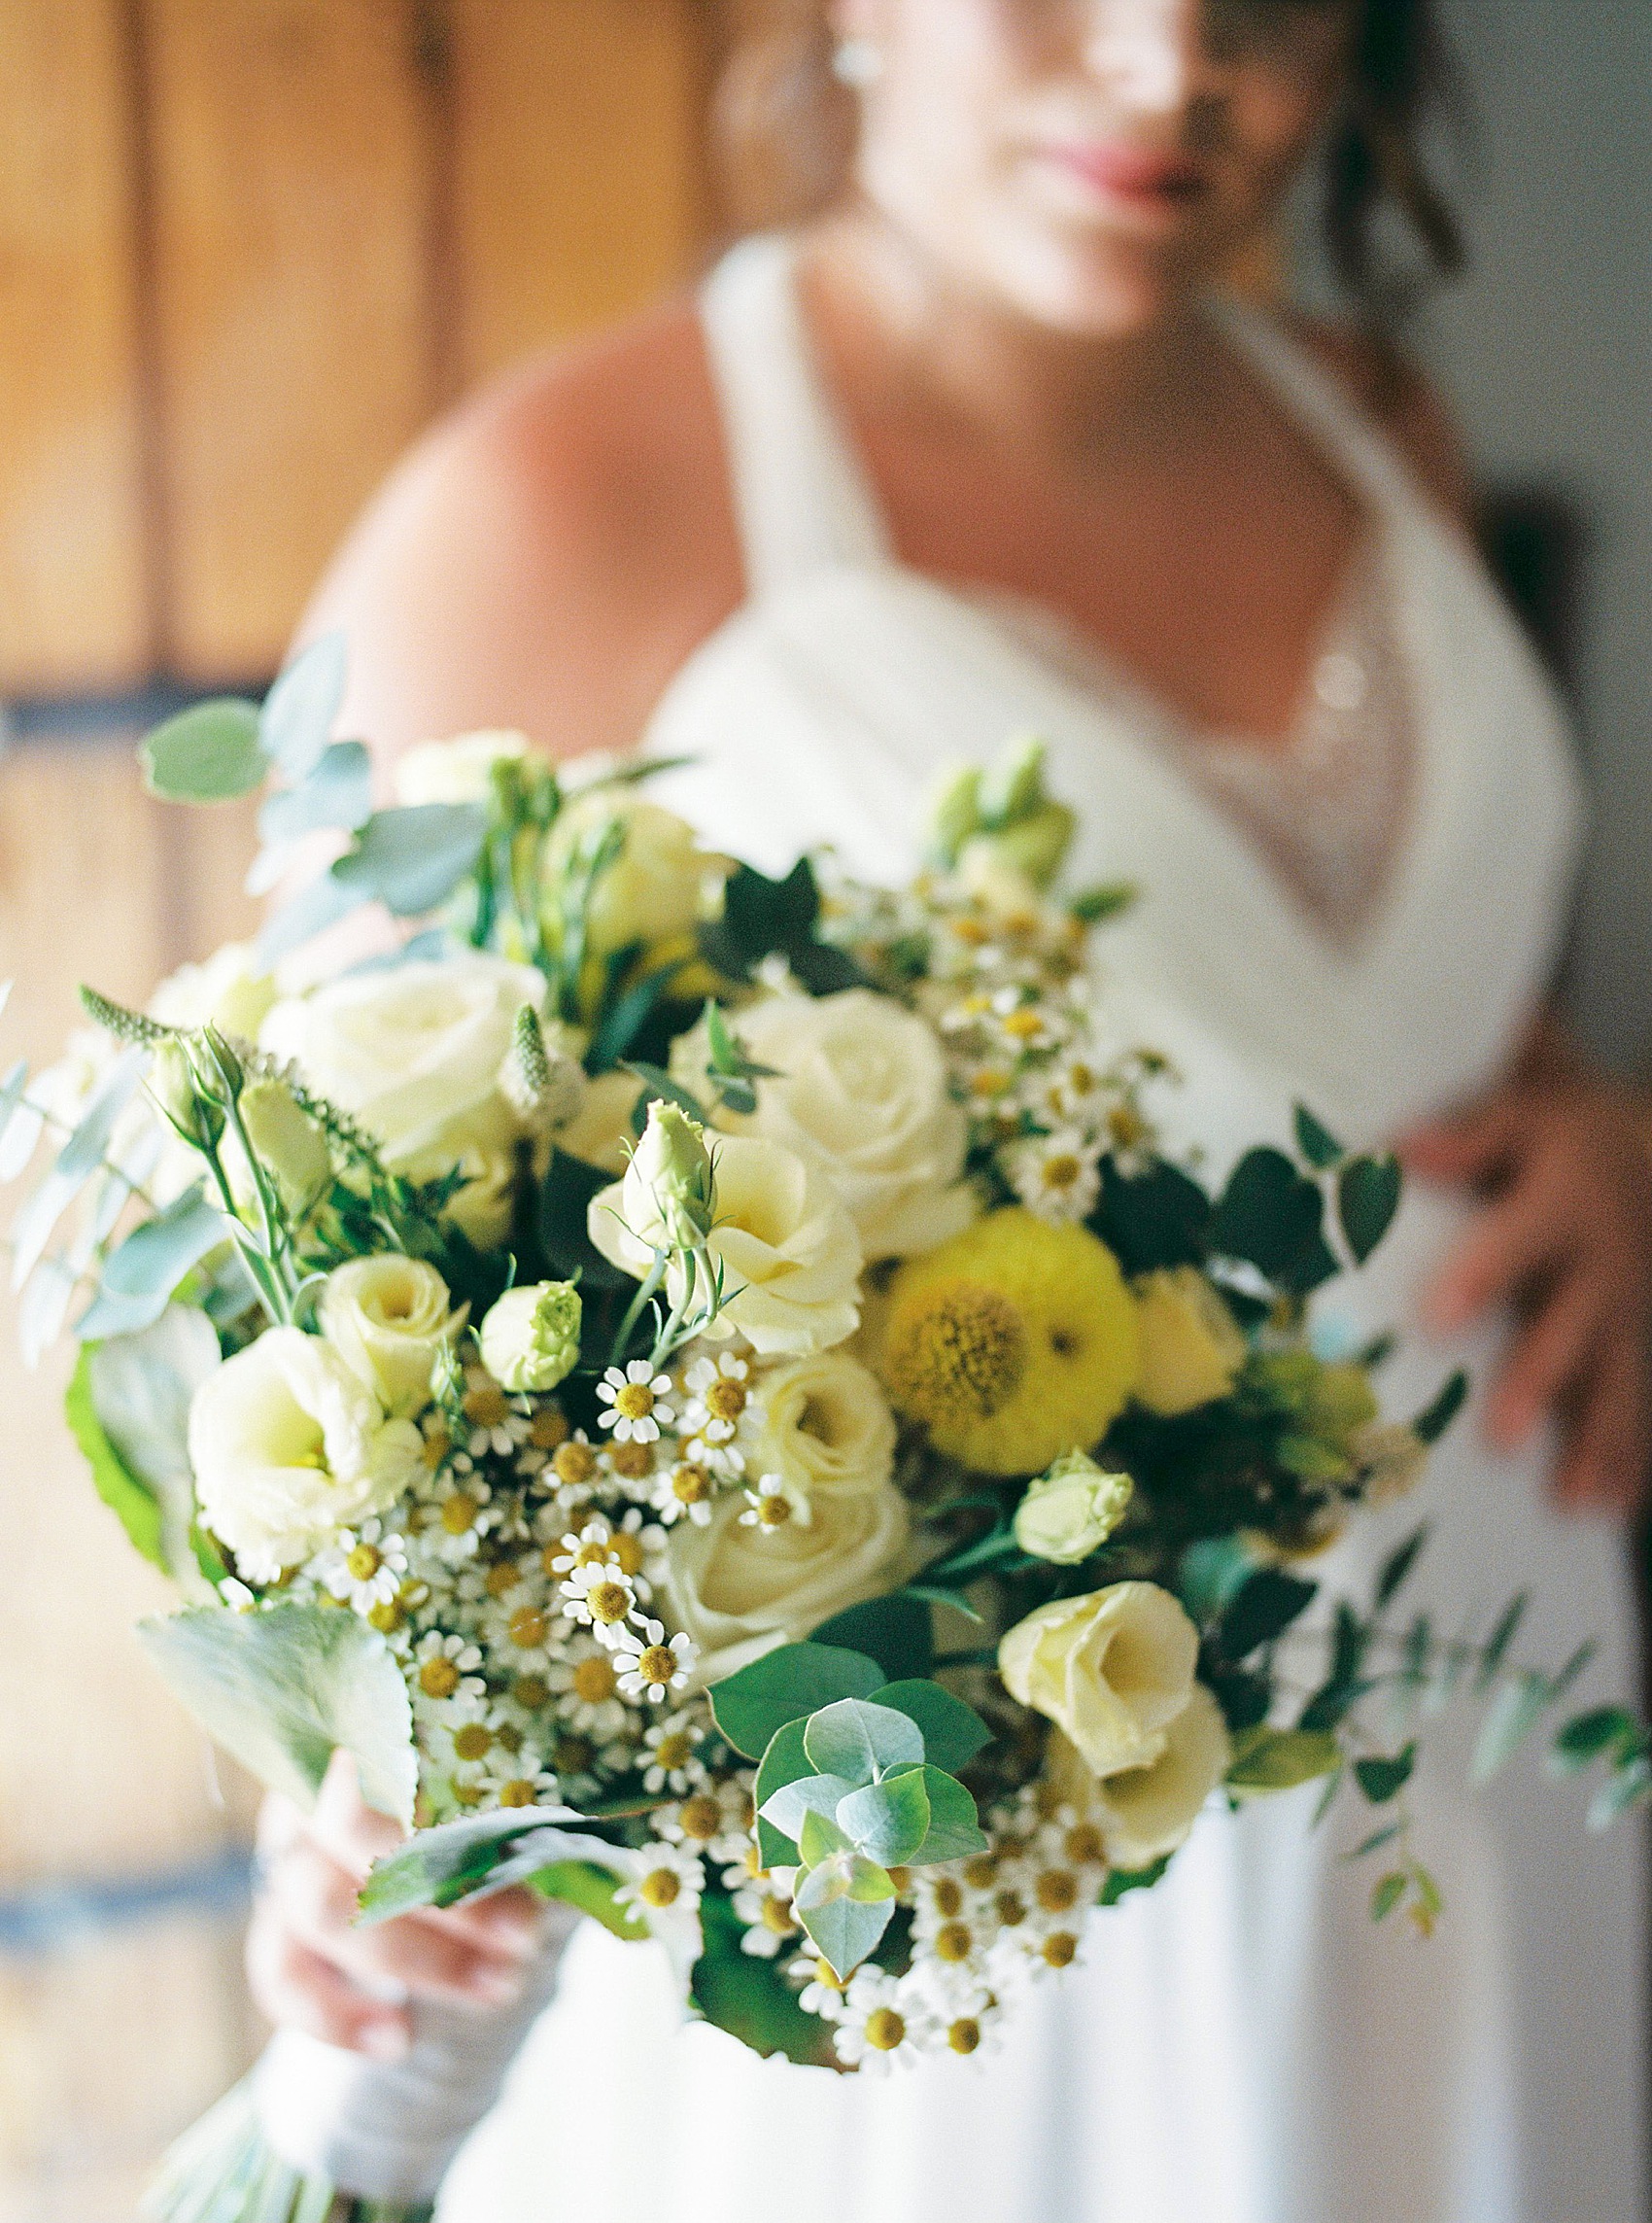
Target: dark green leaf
[(761, 915), (1367, 1197), (1399, 1565), (1386, 1895), (1331, 1704), (784, 1761), (296, 719), (1092, 905), (626, 1018), (411, 860), (1497, 1643), (1586, 1736), (208, 755), (657, 1083), (787, 1685), (565, 1199), (1317, 1143), (1384, 1779), (1244, 1698), (338, 792), (823, 969), (1278, 1759), (896, 1631), (749, 1997), (1269, 1215), (1158, 1217), (953, 1733), (1267, 1605), (1431, 1423), (1123, 1881), (1212, 1573), (1376, 1840)]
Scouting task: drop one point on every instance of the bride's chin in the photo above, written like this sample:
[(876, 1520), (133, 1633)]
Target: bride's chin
[(1089, 289)]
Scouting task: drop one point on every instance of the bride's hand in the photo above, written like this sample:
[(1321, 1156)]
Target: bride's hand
[(313, 1968), (1566, 1235)]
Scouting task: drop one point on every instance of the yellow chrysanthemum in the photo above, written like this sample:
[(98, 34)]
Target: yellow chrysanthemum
[(1013, 1342)]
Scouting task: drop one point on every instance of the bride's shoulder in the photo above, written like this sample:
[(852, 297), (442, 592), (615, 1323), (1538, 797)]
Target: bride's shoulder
[(1395, 393), (548, 553)]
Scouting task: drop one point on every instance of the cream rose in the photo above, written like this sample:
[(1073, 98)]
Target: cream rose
[(1112, 1669), (739, 1590), (1191, 1345), (654, 887), (288, 1445), (388, 1317), (599, 1131), (228, 992), (414, 1053), (860, 1091), (790, 1256), (826, 1426), (1144, 1813), (456, 770)]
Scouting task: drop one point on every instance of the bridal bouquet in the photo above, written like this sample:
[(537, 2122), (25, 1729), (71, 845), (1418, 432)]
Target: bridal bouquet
[(708, 1388)]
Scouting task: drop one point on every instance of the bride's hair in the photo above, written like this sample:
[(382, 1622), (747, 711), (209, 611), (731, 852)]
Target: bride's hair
[(786, 129)]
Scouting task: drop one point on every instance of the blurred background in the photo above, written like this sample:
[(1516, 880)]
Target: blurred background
[(246, 249)]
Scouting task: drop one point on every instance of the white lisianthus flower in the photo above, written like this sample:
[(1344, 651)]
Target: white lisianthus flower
[(737, 1591), (289, 1445), (860, 1090), (456, 770), (530, 1337), (790, 1256), (1112, 1669), (388, 1317), (414, 1053), (655, 886), (599, 1131), (1144, 1813), (1072, 1510), (287, 1142), (229, 991), (1193, 1348), (826, 1426)]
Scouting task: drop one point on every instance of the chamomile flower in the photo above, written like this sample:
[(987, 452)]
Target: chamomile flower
[(521, 1632), (1057, 1176), (518, 1778), (584, 1683), (628, 1467), (464, 1514), (650, 1664), (667, 1877), (719, 1395), (768, 1504), (547, 1432), (362, 1567), (497, 1423), (686, 1491), (573, 1468), (822, 1994), (461, 1746), (636, 1402), (724, 1460), (707, 1818), (599, 1595), (638, 1546), (671, 1756), (445, 1670), (876, 2025), (770, 1922)]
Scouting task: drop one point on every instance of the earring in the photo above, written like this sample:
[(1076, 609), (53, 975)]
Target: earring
[(858, 63)]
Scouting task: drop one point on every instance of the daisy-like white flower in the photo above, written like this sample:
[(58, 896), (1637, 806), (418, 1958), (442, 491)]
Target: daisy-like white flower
[(461, 1746), (1057, 1176), (686, 1491), (726, 1461), (768, 1506), (498, 1422), (636, 1402), (464, 1513), (822, 1994), (1022, 1024), (363, 1567), (649, 1665), (719, 1395), (671, 1756), (710, 1820), (876, 2025), (771, 1924), (520, 1632), (573, 1469), (637, 1546), (599, 1595), (668, 1876), (445, 1670), (584, 1683), (518, 1778), (548, 1433)]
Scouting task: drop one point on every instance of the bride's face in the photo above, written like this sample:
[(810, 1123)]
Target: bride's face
[(1090, 163)]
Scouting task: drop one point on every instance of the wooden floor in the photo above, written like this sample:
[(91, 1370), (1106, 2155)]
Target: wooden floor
[(112, 2039)]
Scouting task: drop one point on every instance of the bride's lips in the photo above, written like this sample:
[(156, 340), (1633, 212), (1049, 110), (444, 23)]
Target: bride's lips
[(1130, 177)]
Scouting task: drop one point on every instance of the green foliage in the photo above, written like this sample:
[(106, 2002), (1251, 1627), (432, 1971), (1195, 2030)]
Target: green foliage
[(565, 1199), (211, 753), (895, 1630), (889, 1821), (486, 1852), (1398, 1566), (953, 1733), (1431, 1423), (1279, 1759), (1384, 1779), (1111, 899), (300, 709), (1270, 1216), (762, 916), (1386, 1895), (133, 1504), (338, 793), (128, 1405), (413, 860), (1120, 1882), (793, 1680), (594, 1889), (783, 1762), (1263, 1610), (1317, 1145), (140, 1275), (1156, 1218), (861, 1740), (749, 1997), (1211, 1573), (1367, 1197), (282, 1688)]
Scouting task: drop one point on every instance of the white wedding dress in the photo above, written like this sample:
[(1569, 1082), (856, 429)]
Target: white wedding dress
[(1240, 2045)]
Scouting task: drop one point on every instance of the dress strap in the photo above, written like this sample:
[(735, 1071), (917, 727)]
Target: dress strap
[(800, 497)]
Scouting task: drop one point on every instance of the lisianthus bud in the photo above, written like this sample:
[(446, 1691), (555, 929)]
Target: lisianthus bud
[(668, 1186), (530, 1337), (1072, 1510), (289, 1143), (1013, 789), (954, 812), (172, 1082), (1033, 846)]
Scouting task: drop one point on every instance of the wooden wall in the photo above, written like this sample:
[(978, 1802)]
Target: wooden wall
[(247, 247)]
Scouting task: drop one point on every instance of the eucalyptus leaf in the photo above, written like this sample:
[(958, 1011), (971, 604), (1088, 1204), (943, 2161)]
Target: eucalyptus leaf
[(43, 1307), (818, 1837), (783, 1762), (888, 1822), (1386, 1895), (1510, 1719), (210, 754), (1398, 1566), (1211, 1573), (1384, 1779), (297, 718), (281, 1689), (1587, 1736), (337, 793), (788, 1806), (437, 1867), (845, 1931), (158, 1254), (135, 1392), (1367, 1197), (1317, 1143), (787, 1685), (954, 1827), (412, 859), (1431, 1423), (859, 1740), (76, 1162), (311, 912), (1279, 1759), (953, 1733)]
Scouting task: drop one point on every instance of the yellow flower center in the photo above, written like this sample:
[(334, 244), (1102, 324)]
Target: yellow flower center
[(459, 1512), (627, 1549), (961, 1352), (963, 2035), (1085, 1845), (657, 1666), (1024, 1024), (826, 1974), (485, 1405), (575, 1464), (1011, 1909), (510, 1738), (1047, 1798), (608, 1601), (690, 1484), (518, 1792), (472, 1742), (773, 1510), (990, 1082), (954, 1941), (884, 2030), (1060, 1948), (949, 1898), (549, 1430), (1056, 1890), (387, 1615), (501, 1579), (725, 1399), (364, 1562), (467, 1794), (661, 1887), (701, 1816), (437, 1444), (973, 932), (594, 1679), (636, 1402), (1127, 1127), (527, 1627), (1060, 1170), (597, 1554), (438, 1677), (632, 1460), (531, 1693), (777, 1916), (672, 1750), (979, 1871), (1081, 1079)]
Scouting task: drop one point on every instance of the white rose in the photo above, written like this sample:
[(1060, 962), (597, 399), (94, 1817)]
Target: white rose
[(599, 1131), (739, 1590), (388, 1317), (228, 992), (861, 1091), (653, 888), (826, 1426), (1144, 1813), (790, 1256), (457, 771), (289, 1445), (414, 1053), (1112, 1669)]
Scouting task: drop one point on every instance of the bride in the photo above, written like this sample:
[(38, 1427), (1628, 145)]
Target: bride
[(979, 448)]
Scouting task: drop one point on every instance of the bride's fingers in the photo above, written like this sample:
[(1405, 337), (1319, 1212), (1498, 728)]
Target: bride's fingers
[(355, 1833), (1605, 1463), (299, 1988), (1546, 1359), (1464, 1149), (417, 1953), (1509, 1242)]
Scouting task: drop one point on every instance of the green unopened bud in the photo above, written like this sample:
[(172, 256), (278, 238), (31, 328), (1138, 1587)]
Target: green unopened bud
[(175, 1087), (289, 1144), (542, 1083), (1071, 1510), (219, 1070), (1013, 789), (1034, 846), (530, 1337), (955, 814), (672, 1168)]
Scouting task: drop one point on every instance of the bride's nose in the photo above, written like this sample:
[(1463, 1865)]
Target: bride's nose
[(1146, 52)]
